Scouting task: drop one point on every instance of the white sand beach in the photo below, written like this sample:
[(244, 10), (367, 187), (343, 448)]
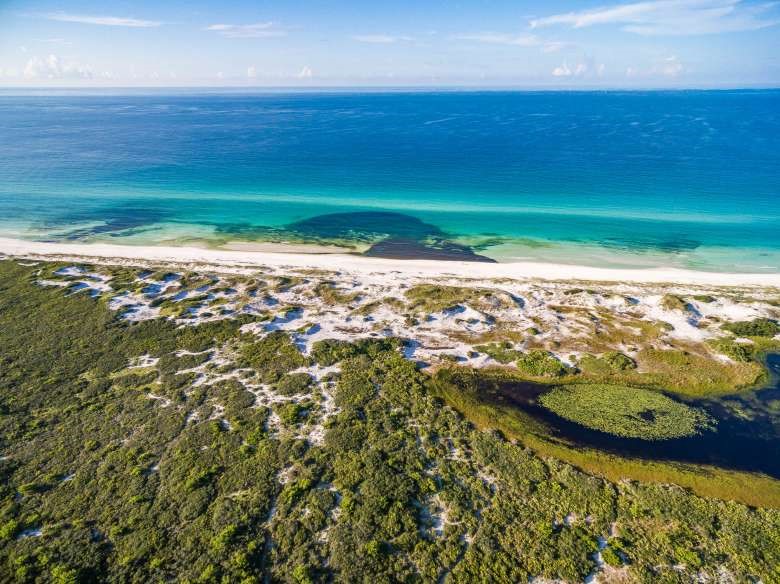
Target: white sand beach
[(340, 262)]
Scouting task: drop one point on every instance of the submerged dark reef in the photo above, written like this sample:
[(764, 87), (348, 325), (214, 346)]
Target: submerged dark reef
[(392, 235), (389, 234)]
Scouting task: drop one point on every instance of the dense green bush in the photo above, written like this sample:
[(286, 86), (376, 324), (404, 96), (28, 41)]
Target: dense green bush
[(735, 351), (502, 352), (759, 327), (124, 488), (328, 352), (294, 383), (540, 363), (272, 356), (610, 362)]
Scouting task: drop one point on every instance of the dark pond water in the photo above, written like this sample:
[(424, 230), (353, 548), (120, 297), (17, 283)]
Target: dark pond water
[(746, 436)]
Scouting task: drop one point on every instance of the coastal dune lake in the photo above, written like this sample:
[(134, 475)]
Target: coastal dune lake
[(688, 179), (745, 434)]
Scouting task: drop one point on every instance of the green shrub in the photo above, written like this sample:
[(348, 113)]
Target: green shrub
[(301, 574), (331, 351), (611, 557), (435, 298), (329, 294), (540, 363), (705, 298), (272, 356), (9, 529), (610, 362), (735, 351), (294, 383), (673, 302), (64, 575), (501, 352), (759, 327), (618, 361), (295, 490), (291, 413)]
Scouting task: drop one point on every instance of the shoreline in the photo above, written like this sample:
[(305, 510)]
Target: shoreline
[(343, 262)]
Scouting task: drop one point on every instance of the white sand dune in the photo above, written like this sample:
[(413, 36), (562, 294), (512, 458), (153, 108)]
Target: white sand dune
[(341, 262)]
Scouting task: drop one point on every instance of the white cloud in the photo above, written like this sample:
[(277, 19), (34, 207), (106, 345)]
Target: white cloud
[(669, 67), (554, 46), (102, 20), (513, 40), (585, 68), (496, 38), (251, 72), (52, 67), (672, 17), (305, 73), (380, 39), (258, 30)]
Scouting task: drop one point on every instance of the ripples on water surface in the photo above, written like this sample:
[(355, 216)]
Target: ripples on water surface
[(637, 178)]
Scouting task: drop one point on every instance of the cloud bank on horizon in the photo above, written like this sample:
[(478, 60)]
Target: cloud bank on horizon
[(555, 43)]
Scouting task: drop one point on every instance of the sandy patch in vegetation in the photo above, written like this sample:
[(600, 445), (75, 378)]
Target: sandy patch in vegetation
[(525, 325)]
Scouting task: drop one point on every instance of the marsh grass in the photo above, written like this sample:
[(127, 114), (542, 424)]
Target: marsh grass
[(708, 481), (693, 375), (630, 412)]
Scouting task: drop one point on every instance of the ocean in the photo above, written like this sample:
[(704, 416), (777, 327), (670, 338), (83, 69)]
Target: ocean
[(687, 179)]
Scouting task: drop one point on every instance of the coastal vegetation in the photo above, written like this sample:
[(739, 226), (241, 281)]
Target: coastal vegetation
[(435, 298), (759, 327), (632, 412), (540, 363), (674, 302), (469, 392), (606, 364), (141, 445)]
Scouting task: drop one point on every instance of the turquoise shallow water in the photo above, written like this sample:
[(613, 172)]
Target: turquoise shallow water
[(689, 179)]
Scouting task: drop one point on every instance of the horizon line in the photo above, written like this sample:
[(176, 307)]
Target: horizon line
[(379, 88)]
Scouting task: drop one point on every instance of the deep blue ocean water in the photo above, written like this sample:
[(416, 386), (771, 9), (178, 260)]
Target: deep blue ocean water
[(690, 178)]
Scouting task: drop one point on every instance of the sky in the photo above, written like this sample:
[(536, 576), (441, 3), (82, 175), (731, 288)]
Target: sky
[(314, 43)]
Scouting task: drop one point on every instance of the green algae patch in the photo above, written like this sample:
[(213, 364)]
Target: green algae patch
[(629, 412)]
